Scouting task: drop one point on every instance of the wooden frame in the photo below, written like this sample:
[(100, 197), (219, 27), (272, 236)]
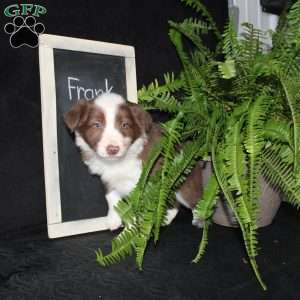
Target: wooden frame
[(47, 43)]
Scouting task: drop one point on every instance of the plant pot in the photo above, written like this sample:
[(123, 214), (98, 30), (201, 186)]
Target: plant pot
[(268, 204)]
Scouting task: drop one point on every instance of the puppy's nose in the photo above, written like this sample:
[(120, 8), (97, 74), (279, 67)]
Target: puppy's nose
[(112, 150)]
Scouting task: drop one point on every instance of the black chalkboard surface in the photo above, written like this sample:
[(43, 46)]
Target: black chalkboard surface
[(82, 75), (71, 70)]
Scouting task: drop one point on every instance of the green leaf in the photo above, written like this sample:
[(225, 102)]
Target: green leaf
[(122, 246), (172, 131), (203, 244), (205, 207), (291, 88), (200, 8), (248, 230), (280, 174), (227, 68)]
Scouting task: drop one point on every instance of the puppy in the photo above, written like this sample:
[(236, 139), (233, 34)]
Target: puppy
[(115, 137)]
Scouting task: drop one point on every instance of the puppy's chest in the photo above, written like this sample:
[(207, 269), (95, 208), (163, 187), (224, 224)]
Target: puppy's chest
[(121, 177)]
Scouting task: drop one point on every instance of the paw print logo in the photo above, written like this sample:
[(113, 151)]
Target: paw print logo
[(24, 31)]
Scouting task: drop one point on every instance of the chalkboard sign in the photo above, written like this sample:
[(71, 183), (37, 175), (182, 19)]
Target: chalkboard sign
[(70, 70)]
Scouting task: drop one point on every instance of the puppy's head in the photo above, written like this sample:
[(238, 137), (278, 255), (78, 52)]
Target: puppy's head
[(109, 125)]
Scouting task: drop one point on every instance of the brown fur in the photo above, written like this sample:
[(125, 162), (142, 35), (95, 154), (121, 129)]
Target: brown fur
[(77, 115), (127, 123), (143, 119), (153, 137), (191, 190), (83, 117)]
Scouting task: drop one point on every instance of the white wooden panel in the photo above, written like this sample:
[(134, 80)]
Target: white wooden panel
[(76, 227), (56, 227), (251, 11), (48, 105)]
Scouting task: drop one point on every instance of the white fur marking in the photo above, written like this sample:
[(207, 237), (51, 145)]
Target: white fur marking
[(109, 104), (181, 200), (197, 221), (113, 219), (121, 174), (171, 214)]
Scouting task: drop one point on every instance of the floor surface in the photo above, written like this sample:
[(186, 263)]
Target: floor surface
[(33, 267)]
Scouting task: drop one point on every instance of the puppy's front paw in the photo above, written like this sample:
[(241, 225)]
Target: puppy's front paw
[(197, 221), (113, 222)]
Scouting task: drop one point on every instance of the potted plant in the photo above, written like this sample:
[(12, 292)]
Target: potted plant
[(236, 106)]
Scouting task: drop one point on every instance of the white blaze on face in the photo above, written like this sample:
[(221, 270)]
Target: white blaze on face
[(111, 136)]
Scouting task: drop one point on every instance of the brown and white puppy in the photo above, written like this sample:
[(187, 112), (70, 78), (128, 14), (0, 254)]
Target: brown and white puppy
[(115, 137)]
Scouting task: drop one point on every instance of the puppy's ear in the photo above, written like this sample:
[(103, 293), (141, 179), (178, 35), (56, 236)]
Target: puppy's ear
[(142, 118), (78, 114)]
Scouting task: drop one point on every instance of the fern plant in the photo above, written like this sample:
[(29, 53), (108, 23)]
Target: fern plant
[(242, 112)]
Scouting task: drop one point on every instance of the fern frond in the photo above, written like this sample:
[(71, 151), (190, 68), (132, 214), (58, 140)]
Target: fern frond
[(189, 30), (277, 131), (191, 84), (125, 207), (227, 68), (251, 42), (292, 93), (254, 143), (193, 25), (170, 84), (235, 172), (231, 46), (183, 163), (293, 21), (145, 227), (203, 243), (205, 206), (248, 230), (172, 131), (160, 96), (122, 246), (196, 127), (148, 166), (140, 247), (165, 102), (128, 206), (279, 173), (200, 8)]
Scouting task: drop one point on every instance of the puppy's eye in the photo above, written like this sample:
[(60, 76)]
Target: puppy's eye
[(98, 125), (125, 125)]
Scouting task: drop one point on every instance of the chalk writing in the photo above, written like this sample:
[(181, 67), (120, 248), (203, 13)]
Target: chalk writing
[(76, 91)]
